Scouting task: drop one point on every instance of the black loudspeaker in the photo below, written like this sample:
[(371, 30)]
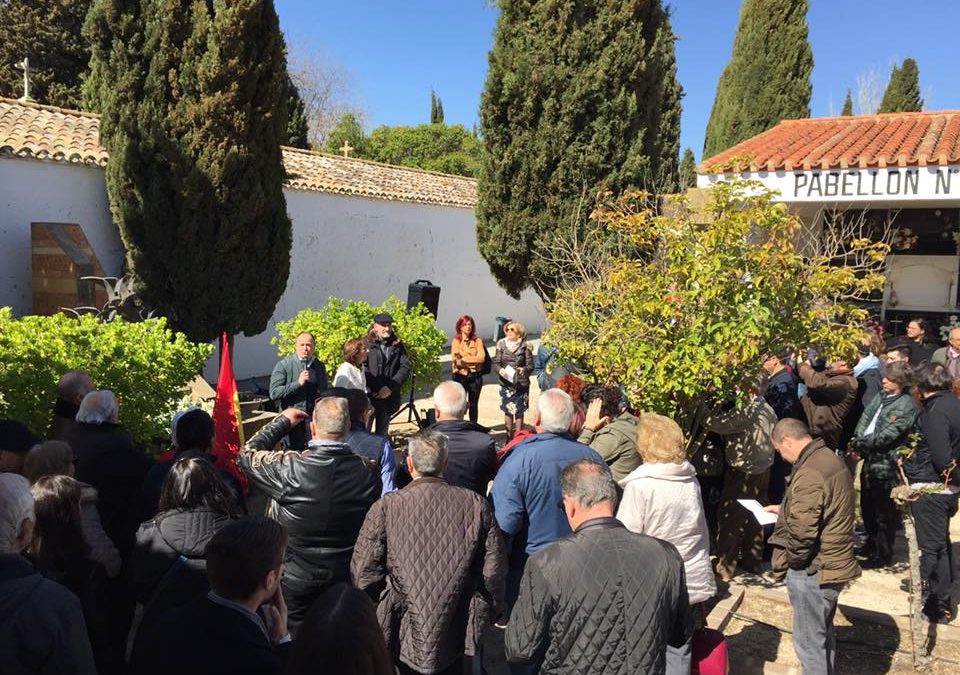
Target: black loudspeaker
[(423, 291)]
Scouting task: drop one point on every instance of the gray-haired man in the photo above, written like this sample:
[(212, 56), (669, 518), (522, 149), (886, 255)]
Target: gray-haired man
[(42, 629), (619, 615), (440, 547)]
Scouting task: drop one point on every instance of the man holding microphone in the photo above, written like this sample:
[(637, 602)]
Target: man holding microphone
[(295, 382)]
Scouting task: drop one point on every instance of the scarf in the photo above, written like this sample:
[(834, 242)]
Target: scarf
[(512, 345)]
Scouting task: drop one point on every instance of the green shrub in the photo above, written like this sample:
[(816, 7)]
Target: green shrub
[(342, 320), (145, 364)]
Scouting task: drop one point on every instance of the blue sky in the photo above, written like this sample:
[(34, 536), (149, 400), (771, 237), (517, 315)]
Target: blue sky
[(396, 51)]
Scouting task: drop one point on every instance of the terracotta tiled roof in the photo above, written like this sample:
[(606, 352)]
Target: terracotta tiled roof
[(45, 132), (36, 131), (331, 173), (891, 139)]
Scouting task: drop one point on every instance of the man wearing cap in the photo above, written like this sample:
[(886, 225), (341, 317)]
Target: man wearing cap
[(386, 369), (15, 442), (295, 382)]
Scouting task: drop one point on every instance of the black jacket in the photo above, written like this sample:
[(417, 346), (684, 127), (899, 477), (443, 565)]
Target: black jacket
[(207, 638), (387, 365), (601, 600), (321, 495), (471, 455), (108, 459), (42, 629), (64, 414), (160, 542), (781, 394), (939, 443)]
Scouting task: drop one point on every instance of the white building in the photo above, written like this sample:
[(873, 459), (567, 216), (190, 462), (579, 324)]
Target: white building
[(361, 230), (899, 168)]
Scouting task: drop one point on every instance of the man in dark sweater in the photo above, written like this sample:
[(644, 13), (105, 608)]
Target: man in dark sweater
[(72, 387), (240, 627), (472, 460)]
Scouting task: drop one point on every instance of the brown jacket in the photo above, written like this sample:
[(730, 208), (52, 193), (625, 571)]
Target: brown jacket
[(433, 557), (830, 397), (467, 355), (814, 530)]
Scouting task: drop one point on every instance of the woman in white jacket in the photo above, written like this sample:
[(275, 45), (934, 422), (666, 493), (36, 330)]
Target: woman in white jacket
[(661, 499)]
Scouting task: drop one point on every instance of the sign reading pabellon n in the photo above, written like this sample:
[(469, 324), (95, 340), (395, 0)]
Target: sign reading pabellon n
[(890, 184)]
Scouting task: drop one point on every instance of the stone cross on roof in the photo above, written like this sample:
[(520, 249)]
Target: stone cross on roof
[(25, 67), (346, 148)]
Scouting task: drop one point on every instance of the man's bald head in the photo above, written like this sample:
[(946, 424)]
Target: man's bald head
[(450, 401), (74, 385)]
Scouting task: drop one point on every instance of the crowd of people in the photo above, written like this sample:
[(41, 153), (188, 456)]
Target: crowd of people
[(595, 539)]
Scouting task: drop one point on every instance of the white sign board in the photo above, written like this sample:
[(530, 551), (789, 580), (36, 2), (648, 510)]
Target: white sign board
[(874, 186)]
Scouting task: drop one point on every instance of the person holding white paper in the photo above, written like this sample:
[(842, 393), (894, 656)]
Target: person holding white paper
[(513, 361)]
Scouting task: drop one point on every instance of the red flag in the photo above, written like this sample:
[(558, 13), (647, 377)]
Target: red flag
[(228, 436)]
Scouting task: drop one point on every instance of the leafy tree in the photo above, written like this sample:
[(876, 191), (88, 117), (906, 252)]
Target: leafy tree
[(342, 320), (144, 363), (436, 108), (191, 96), (297, 132), (847, 105), (435, 147), (48, 33), (348, 129), (903, 90), (688, 170), (579, 97), (768, 76), (688, 318)]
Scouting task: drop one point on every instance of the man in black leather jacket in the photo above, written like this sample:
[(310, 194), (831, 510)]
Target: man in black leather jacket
[(321, 495)]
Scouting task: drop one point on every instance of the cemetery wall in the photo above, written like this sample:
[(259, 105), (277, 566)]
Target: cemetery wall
[(343, 246)]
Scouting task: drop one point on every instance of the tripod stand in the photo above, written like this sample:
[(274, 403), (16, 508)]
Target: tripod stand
[(409, 407)]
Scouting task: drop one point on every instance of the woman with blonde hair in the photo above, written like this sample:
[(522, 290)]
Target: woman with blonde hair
[(513, 362), (661, 498)]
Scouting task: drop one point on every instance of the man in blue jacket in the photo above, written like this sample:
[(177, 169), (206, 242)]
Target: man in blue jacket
[(526, 491)]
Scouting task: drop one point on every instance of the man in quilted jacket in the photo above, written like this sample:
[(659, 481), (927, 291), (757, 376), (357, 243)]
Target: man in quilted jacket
[(604, 599), (438, 553), (813, 541)]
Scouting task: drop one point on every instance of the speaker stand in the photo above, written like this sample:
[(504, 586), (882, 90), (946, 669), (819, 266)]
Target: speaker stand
[(409, 406)]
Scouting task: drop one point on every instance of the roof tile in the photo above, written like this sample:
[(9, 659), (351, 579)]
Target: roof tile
[(31, 130), (894, 139)]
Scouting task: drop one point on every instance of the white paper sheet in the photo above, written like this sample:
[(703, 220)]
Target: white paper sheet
[(511, 372), (761, 516)]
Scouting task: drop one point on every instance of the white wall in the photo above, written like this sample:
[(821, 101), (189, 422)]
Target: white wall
[(348, 247), (35, 192), (367, 249)]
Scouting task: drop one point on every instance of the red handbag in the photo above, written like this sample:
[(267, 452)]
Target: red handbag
[(708, 651)]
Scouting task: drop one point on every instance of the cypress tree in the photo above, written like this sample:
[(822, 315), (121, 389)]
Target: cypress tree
[(688, 170), (579, 97), (768, 76), (297, 132), (49, 34), (903, 90), (847, 105), (436, 108), (191, 94)]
